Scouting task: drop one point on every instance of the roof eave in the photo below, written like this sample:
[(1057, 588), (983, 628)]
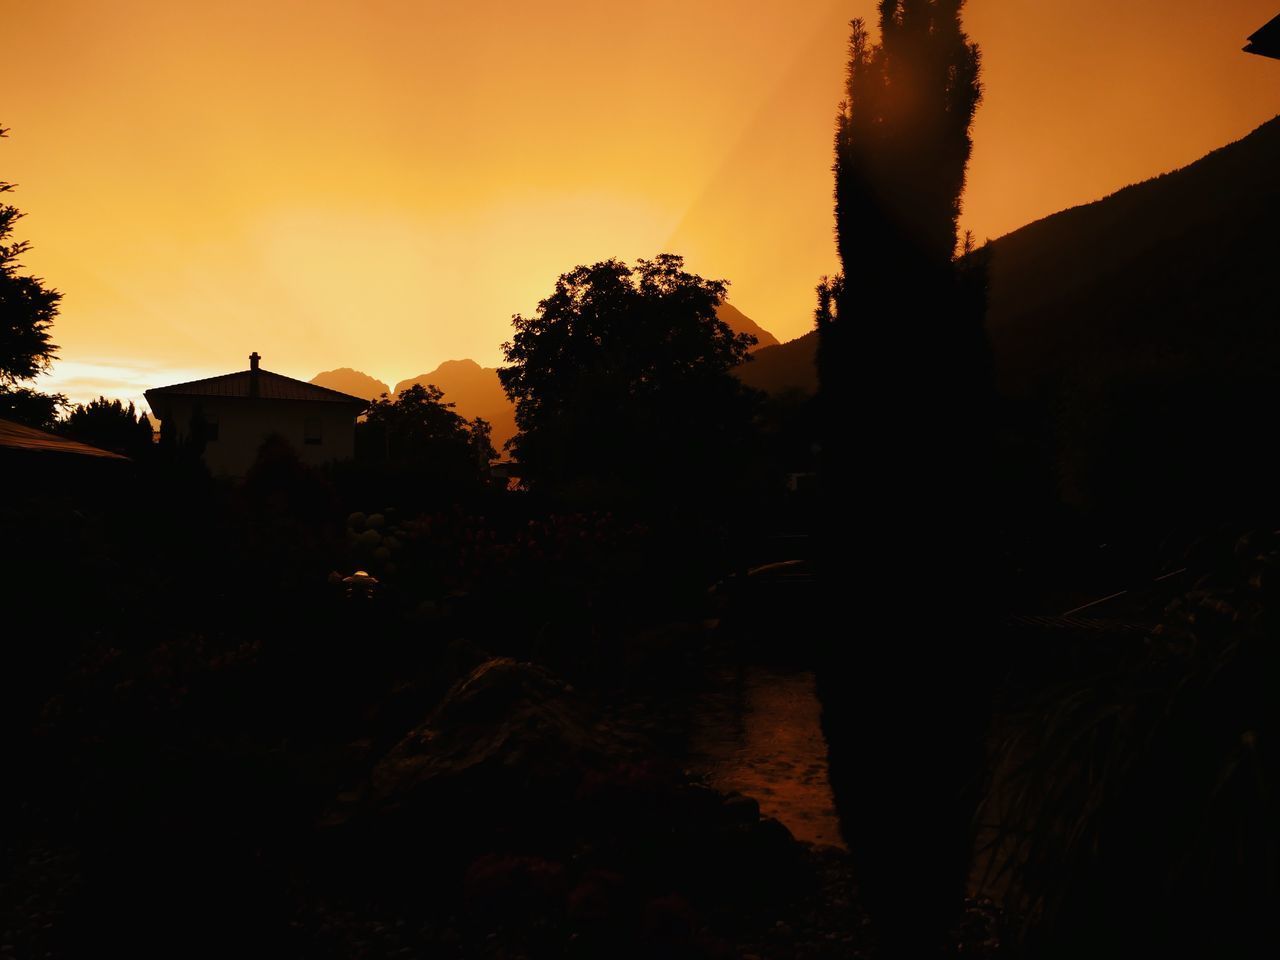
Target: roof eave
[(163, 394)]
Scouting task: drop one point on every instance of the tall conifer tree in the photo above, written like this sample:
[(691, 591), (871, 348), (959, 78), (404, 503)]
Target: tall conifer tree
[(905, 383), (902, 149)]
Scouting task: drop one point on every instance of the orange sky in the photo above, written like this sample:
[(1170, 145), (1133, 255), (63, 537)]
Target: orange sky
[(381, 184)]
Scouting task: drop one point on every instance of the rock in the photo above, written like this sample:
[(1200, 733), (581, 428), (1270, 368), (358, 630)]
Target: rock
[(700, 803), (504, 753), (740, 808), (599, 898), (669, 919), (502, 884)]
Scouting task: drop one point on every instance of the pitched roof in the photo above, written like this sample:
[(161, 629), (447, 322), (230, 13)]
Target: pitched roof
[(271, 386), (1266, 41), (16, 436)]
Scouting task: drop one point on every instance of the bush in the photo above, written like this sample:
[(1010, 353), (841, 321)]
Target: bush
[(1139, 806)]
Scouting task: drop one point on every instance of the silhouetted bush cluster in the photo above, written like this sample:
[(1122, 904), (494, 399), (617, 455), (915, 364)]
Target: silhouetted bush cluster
[(1139, 799), (110, 425)]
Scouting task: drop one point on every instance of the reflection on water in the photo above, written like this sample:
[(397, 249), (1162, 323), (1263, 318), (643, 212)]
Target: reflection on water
[(758, 732)]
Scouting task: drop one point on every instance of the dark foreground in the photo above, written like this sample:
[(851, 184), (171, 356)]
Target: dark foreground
[(215, 745)]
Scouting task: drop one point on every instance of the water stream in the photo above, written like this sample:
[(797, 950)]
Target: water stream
[(757, 731)]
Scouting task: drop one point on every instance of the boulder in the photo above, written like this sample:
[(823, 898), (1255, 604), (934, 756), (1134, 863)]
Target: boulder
[(502, 757), (514, 788)]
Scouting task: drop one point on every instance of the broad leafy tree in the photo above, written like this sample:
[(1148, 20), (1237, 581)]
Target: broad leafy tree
[(420, 427), (623, 387), (27, 310)]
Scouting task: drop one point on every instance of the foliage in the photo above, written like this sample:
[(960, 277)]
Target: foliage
[(415, 450), (111, 425), (419, 426), (902, 147), (456, 552), (31, 407), (279, 486), (27, 310), (622, 382), (905, 386), (902, 134), (564, 589), (287, 513), (1136, 802), (902, 358)]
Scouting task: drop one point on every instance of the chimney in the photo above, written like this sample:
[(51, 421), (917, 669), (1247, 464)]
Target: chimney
[(253, 373)]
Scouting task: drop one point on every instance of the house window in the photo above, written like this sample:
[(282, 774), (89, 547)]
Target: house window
[(311, 434)]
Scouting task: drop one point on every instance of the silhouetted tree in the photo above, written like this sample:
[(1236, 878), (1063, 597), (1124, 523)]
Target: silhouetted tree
[(31, 407), (902, 147), (622, 383), (288, 509), (415, 450), (905, 386), (111, 425), (420, 425), (27, 310)]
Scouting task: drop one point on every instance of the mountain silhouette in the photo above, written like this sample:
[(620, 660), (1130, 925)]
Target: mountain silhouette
[(739, 322), (476, 392), (1174, 275), (783, 367), (1179, 269), (346, 380), (1138, 338)]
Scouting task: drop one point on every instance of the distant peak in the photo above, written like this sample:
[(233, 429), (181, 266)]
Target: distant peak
[(459, 365), (341, 371), (739, 322), (354, 382)]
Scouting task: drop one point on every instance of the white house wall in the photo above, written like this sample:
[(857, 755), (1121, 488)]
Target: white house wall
[(244, 424)]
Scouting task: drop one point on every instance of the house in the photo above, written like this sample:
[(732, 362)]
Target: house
[(20, 441), (1266, 42), (507, 472), (229, 417), (49, 468)]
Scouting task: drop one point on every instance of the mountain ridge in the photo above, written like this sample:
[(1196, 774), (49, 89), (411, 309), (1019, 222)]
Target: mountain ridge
[(1078, 263), (354, 382), (476, 391)]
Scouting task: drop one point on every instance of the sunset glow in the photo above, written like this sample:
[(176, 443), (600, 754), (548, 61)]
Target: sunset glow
[(382, 184), (691, 479)]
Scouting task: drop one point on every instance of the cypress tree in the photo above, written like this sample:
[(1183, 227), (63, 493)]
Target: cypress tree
[(905, 389), (902, 148)]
